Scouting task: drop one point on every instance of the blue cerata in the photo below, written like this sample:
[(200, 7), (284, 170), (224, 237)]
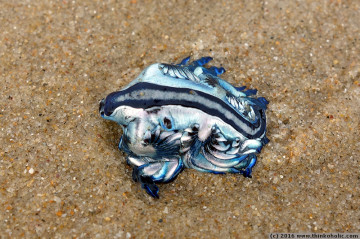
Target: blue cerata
[(183, 115)]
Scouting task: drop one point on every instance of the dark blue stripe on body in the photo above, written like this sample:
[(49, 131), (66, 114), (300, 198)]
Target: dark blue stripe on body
[(136, 101)]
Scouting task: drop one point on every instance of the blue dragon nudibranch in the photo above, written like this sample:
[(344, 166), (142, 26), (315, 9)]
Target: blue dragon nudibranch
[(184, 115)]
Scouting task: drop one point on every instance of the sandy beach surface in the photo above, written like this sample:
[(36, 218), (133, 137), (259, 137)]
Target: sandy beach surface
[(62, 175)]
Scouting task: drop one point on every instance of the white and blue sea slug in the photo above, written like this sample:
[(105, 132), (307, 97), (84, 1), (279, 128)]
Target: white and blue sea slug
[(184, 115)]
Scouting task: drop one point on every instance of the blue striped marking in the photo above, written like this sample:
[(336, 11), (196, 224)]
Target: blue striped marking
[(146, 95)]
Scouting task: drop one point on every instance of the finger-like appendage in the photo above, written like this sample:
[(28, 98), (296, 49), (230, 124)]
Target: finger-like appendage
[(146, 182), (240, 88), (157, 172), (150, 187), (251, 164), (250, 92), (184, 61), (216, 70), (202, 61)]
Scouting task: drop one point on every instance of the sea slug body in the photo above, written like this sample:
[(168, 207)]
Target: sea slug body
[(177, 116)]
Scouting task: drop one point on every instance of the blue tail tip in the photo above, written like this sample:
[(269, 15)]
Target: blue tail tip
[(263, 100), (151, 189), (265, 140)]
